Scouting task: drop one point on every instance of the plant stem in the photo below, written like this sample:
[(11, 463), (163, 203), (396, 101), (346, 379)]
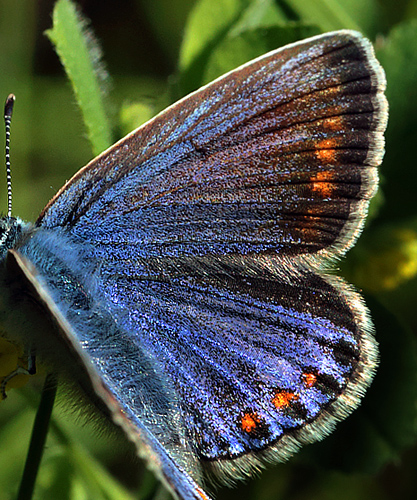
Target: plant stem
[(38, 438)]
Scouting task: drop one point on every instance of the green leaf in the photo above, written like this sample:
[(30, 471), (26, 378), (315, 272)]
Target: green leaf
[(95, 478), (207, 22), (332, 15), (259, 13), (167, 20), (80, 56), (411, 9), (212, 22), (135, 114), (234, 51), (13, 449), (398, 56), (385, 257), (17, 41)]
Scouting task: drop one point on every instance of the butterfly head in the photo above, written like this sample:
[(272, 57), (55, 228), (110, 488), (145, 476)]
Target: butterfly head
[(11, 228)]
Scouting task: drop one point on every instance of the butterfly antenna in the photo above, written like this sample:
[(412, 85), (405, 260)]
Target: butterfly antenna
[(8, 111)]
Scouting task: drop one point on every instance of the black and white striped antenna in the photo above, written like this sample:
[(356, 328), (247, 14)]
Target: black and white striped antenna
[(8, 111)]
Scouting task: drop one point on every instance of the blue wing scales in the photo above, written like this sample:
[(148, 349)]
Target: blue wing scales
[(196, 246)]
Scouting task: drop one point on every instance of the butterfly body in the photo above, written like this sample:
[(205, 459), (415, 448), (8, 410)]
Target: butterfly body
[(185, 268)]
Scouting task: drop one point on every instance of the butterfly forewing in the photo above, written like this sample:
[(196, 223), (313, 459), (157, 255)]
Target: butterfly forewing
[(279, 156)]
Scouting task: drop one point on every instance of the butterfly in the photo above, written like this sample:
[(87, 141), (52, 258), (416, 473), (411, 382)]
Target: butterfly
[(185, 272)]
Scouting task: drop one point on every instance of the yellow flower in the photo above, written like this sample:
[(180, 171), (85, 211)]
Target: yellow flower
[(11, 357), (388, 261)]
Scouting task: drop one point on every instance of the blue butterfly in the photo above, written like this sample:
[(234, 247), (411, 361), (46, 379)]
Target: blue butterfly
[(184, 271)]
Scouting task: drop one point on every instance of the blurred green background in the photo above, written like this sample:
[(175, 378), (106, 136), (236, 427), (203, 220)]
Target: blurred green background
[(154, 52)]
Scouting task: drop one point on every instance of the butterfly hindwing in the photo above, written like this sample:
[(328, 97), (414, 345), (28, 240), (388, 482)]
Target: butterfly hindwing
[(227, 370), (261, 364)]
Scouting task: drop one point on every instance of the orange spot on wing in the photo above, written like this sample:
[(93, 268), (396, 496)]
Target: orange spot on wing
[(202, 494), (325, 155), (321, 184), (283, 399), (325, 150), (309, 379), (250, 421), (334, 123)]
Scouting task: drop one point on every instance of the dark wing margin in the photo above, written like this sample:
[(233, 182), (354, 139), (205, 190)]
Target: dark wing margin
[(280, 155)]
